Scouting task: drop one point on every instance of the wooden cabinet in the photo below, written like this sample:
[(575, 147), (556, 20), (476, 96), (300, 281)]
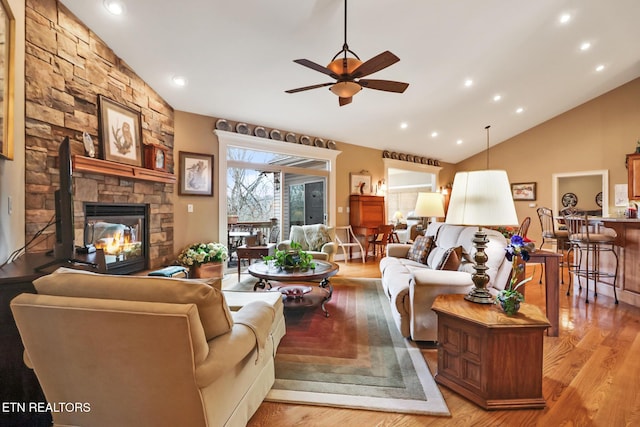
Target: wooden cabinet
[(633, 166), (490, 358), (366, 211)]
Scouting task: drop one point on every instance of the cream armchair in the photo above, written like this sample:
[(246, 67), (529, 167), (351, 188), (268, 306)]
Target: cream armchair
[(145, 351), (316, 239)]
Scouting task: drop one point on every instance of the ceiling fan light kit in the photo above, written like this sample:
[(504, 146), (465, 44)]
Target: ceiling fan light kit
[(348, 72)]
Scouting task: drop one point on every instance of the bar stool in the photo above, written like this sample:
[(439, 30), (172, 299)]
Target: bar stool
[(551, 234), (586, 244)]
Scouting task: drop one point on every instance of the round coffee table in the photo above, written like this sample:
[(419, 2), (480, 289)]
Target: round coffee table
[(323, 271)]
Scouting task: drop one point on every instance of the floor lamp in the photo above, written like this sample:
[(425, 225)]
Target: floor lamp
[(481, 198)]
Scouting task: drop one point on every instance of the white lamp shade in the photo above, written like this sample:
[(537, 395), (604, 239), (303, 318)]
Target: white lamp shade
[(481, 198), (429, 205)]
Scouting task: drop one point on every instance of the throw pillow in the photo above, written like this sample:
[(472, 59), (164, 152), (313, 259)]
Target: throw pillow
[(420, 249), (451, 259), (316, 237)]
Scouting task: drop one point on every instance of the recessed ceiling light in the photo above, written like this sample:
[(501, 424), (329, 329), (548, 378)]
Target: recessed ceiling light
[(468, 82), (459, 142), (585, 46), (434, 134), (115, 7), (404, 125), (519, 110), (564, 18), (179, 80), (497, 97), (600, 68)]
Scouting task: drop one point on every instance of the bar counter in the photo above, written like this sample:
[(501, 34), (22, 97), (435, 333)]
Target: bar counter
[(628, 250)]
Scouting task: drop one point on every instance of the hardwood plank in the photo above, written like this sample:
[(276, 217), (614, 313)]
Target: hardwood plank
[(589, 373)]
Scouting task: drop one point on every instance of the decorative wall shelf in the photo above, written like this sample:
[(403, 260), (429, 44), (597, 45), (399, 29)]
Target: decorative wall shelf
[(105, 167)]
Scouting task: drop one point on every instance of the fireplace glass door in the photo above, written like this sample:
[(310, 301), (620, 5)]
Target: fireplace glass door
[(121, 232)]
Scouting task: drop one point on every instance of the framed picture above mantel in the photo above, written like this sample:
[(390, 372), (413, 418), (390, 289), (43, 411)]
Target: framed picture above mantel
[(120, 133)]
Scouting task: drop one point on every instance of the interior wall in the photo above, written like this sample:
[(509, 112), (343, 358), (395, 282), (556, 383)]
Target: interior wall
[(595, 135), (194, 133), (12, 224), (584, 187)]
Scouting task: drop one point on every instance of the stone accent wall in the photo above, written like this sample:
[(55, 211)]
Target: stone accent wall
[(66, 67)]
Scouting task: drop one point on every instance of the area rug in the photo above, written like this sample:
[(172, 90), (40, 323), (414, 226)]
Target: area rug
[(355, 358)]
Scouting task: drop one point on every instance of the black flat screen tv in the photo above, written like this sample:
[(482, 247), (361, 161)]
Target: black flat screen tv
[(64, 249)]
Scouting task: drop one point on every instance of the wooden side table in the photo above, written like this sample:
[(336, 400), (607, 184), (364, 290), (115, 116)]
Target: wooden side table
[(253, 252), (490, 358)]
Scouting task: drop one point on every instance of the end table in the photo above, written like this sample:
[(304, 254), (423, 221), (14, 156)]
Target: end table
[(490, 358)]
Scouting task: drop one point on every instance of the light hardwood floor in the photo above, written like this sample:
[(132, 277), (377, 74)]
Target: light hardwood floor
[(591, 374)]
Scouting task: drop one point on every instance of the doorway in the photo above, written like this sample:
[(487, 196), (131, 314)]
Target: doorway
[(587, 190)]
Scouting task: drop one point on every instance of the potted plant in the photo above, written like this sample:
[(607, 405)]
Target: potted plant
[(509, 298), (204, 259), (291, 259)]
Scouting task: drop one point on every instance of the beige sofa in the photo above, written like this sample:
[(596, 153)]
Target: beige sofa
[(315, 239), (148, 351), (412, 286)]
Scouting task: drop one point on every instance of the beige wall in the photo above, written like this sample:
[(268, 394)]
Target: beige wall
[(12, 171), (595, 135), (194, 133)]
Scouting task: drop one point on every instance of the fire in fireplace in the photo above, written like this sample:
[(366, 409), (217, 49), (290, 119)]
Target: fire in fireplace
[(121, 231)]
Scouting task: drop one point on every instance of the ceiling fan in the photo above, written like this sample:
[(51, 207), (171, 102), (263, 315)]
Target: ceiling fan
[(348, 72)]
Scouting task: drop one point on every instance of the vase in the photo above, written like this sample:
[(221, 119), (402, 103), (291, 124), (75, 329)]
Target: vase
[(210, 270), (509, 304)]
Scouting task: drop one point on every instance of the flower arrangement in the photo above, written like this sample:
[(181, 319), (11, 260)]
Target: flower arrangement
[(510, 298), (202, 253), (292, 259)]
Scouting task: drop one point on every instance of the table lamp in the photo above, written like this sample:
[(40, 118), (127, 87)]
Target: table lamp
[(481, 198), (429, 205)]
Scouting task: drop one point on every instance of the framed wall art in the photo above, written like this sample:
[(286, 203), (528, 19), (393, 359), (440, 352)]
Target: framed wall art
[(360, 183), (523, 191), (7, 79), (120, 135), (195, 177)]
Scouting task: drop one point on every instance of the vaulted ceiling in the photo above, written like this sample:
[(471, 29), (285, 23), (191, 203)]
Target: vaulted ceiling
[(457, 56)]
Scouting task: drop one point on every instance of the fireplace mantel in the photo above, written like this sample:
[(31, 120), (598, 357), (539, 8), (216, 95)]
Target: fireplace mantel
[(105, 167)]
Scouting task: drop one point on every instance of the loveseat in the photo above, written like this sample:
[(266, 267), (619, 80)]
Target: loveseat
[(318, 240), (148, 351), (413, 285)]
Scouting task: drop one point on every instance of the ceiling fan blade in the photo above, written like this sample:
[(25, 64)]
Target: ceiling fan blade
[(316, 67), (345, 101), (386, 85), (300, 89), (376, 63)]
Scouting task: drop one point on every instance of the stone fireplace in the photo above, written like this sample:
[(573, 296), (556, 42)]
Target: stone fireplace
[(121, 231)]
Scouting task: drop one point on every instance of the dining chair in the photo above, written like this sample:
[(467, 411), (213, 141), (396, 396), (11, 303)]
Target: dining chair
[(381, 238), (346, 239)]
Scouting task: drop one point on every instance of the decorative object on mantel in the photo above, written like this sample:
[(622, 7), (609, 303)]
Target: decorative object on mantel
[(331, 145), (196, 174), (260, 132), (222, 124), (275, 135), (291, 137), (204, 259), (243, 129), (155, 157), (386, 154), (510, 298), (319, 142), (305, 140), (89, 148), (120, 132)]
